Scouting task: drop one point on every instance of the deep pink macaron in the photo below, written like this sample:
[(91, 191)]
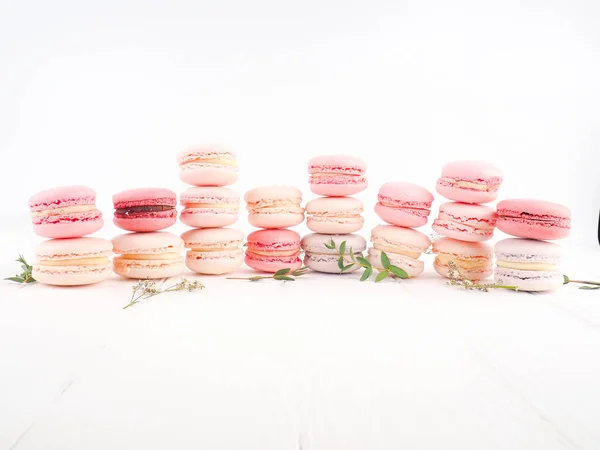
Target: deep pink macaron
[(337, 175), (273, 250), (469, 181), (534, 219), (145, 209), (65, 212), (209, 207), (404, 204), (465, 221)]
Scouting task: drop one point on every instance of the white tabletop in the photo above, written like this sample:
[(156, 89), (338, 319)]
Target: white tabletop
[(325, 362)]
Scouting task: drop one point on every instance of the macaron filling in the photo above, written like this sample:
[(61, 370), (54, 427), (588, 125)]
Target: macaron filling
[(541, 219), (133, 211), (209, 159), (473, 263), (491, 185), (91, 261), (63, 210)]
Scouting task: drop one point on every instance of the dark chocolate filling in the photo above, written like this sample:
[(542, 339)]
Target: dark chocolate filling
[(143, 209)]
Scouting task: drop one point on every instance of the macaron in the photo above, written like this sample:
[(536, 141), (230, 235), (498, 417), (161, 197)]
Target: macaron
[(534, 219), (403, 247), (473, 259), (65, 212), (208, 207), (145, 209), (337, 175), (322, 259), (528, 264), (469, 181), (208, 165), (404, 204), (274, 206), (334, 215), (214, 251), (72, 262), (465, 221), (273, 250), (148, 255)]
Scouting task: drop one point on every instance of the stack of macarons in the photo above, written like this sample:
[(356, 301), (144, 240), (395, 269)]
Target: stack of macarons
[(464, 222), (209, 206), (404, 206), (335, 215), (274, 209), (527, 261), (65, 215)]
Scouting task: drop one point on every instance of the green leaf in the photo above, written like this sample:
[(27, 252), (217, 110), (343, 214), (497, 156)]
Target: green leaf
[(363, 262), (16, 279), (385, 261), (343, 248), (382, 276), (565, 279), (282, 271), (366, 274), (400, 273), (331, 245), (30, 280), (341, 262), (348, 267), (245, 244), (589, 288), (284, 278)]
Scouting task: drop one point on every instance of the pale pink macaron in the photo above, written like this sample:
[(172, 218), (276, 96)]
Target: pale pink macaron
[(208, 207), (320, 258), (334, 215), (274, 206), (145, 209), (534, 219), (273, 250), (469, 181), (473, 259), (73, 262), (404, 204), (402, 246), (148, 255), (214, 251), (337, 175), (65, 212), (208, 165), (465, 221)]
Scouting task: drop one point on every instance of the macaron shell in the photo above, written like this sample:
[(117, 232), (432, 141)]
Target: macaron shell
[(461, 232), (461, 194), (153, 269), (338, 186), (334, 225), (469, 274), (531, 229), (325, 263), (208, 174), (61, 197), (402, 217), (147, 222), (208, 217), (72, 226), (71, 275), (272, 264), (275, 220), (413, 267), (529, 280), (214, 263)]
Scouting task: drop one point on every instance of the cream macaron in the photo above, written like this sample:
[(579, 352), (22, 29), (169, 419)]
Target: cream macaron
[(274, 207), (334, 215), (214, 251), (403, 247)]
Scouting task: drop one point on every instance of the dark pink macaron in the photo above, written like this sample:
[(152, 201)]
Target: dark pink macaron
[(273, 250), (145, 209), (404, 204), (533, 219)]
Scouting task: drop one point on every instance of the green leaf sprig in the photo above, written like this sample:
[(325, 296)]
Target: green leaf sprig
[(587, 285), (459, 280), (25, 276), (347, 260), (281, 275), (146, 289)]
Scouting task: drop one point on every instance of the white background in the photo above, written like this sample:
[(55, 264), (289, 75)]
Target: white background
[(107, 93)]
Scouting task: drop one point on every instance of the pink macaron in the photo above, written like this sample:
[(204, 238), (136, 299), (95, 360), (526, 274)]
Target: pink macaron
[(469, 181), (473, 259), (145, 209), (465, 221), (337, 175), (214, 251), (334, 215), (73, 262), (274, 206), (65, 212), (148, 255), (209, 207), (534, 219), (208, 165), (273, 250), (404, 204)]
